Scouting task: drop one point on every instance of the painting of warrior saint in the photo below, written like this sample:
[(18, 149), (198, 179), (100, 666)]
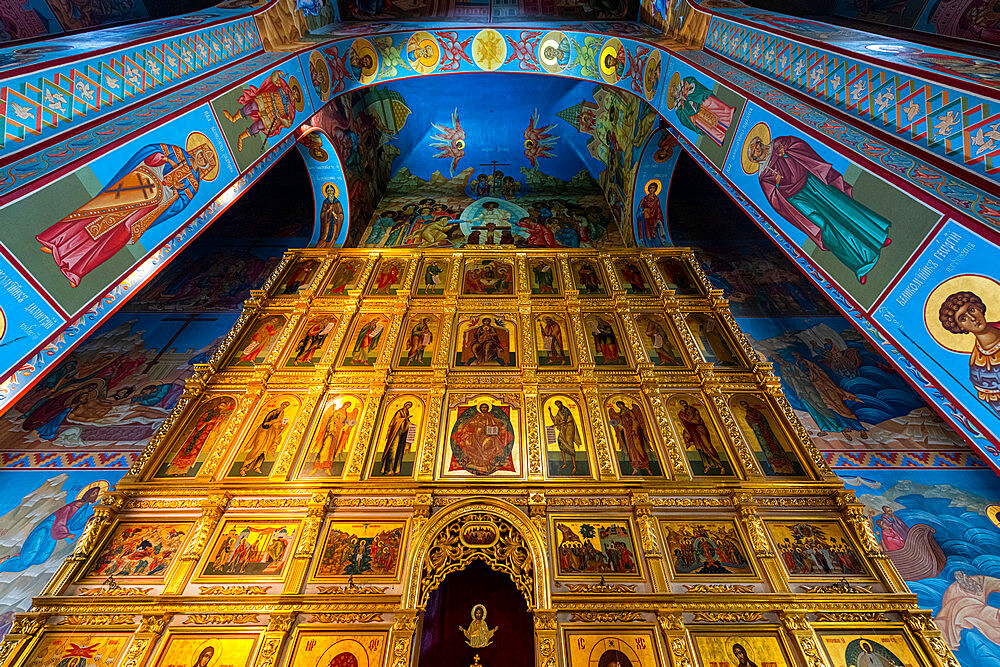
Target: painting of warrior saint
[(258, 342), (659, 340), (564, 432), (633, 438), (605, 340), (816, 548), (767, 439), (219, 649), (417, 348), (697, 433), (251, 549), (300, 275), (488, 277), (749, 648), (332, 439), (140, 551), (482, 438), (649, 217), (633, 277), (364, 344), (678, 276), (261, 443), (251, 117), (185, 458), (312, 342), (394, 454), (552, 341), (485, 341), (338, 649), (706, 547), (157, 183), (712, 341), (432, 277), (345, 277), (544, 278), (388, 277), (76, 649), (589, 279), (361, 549), (595, 547)]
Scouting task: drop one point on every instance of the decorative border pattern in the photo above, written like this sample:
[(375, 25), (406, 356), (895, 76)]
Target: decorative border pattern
[(67, 460), (840, 460)]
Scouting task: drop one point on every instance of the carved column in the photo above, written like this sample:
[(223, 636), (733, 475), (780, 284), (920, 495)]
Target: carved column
[(287, 454), (535, 448), (311, 526), (675, 453), (22, 633), (746, 510), (921, 623), (804, 640), (144, 640), (860, 527), (401, 642), (546, 638), (772, 387), (105, 513), (602, 446), (649, 537), (428, 448), (193, 388), (365, 428), (537, 510), (718, 400), (211, 511), (273, 639), (243, 407), (675, 637)]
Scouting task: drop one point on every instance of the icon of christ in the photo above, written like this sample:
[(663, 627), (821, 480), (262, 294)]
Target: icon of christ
[(482, 440)]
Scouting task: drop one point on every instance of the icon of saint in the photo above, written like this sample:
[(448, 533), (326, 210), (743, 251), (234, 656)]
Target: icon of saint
[(478, 634)]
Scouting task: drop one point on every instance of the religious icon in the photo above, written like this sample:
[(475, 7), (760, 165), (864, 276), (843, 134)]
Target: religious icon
[(262, 442), (604, 340), (651, 75), (554, 52), (332, 438), (219, 649), (748, 649), (432, 277), (298, 276), (258, 341), (186, 457), (588, 278), (388, 278), (338, 649), (485, 341), (363, 61), (78, 649), (698, 109), (361, 549), (250, 549), (551, 334), (957, 307), (618, 648), (420, 332), (603, 547), (319, 74), (155, 184), (139, 551), (488, 277), (659, 340), (482, 436), (365, 342), (423, 52), (633, 277), (331, 215), (633, 439), (478, 634), (697, 433), (881, 648), (816, 548), (394, 453), (649, 218), (712, 340), (544, 280), (564, 429), (706, 548), (809, 193), (312, 343), (263, 111), (678, 276), (345, 276), (766, 437)]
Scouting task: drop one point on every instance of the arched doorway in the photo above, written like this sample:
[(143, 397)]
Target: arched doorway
[(491, 610)]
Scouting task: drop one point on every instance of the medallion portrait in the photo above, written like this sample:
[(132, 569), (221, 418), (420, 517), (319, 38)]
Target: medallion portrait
[(88, 648), (744, 649), (345, 276), (482, 438), (595, 547), (552, 341), (432, 277), (564, 432), (388, 277), (332, 439), (605, 340), (659, 340), (258, 341), (543, 277), (678, 276), (486, 341), (588, 278), (699, 436), (816, 549), (712, 548), (879, 648), (365, 341), (194, 442), (632, 435), (139, 551), (355, 548), (252, 550), (395, 452), (312, 341), (200, 649), (617, 648), (633, 277), (298, 275), (768, 440), (335, 649), (419, 336), (488, 277), (712, 340), (263, 439)]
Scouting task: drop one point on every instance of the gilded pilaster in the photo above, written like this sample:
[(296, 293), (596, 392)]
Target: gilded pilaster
[(546, 638), (308, 542), (804, 640), (921, 624), (760, 543), (401, 638), (236, 422), (278, 628), (860, 527), (675, 637), (212, 510), (428, 448), (365, 429), (21, 635), (602, 445), (649, 539), (725, 415), (675, 454), (144, 639)]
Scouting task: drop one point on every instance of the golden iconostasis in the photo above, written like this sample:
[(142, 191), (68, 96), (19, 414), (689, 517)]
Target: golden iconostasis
[(593, 425)]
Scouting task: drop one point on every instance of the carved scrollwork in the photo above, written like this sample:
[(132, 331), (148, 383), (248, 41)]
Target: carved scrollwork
[(547, 652), (727, 616), (680, 652), (234, 590), (99, 619), (221, 619), (601, 588), (349, 618), (120, 591), (719, 588), (851, 616), (607, 616), (352, 589), (842, 586)]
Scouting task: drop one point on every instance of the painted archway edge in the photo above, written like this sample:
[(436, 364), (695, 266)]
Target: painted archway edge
[(331, 198)]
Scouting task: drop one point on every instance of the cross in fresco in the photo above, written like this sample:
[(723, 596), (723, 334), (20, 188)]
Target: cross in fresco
[(490, 228), (185, 321)]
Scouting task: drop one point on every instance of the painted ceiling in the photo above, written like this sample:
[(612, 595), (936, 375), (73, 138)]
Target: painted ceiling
[(489, 10)]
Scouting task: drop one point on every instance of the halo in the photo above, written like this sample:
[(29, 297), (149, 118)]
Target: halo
[(419, 40), (762, 131), (478, 606), (611, 48), (336, 190), (986, 288), (3, 324), (675, 81), (318, 62), (732, 640), (659, 185), (550, 65), (293, 83), (202, 646), (196, 140), (991, 512), (651, 75), (99, 484), (362, 47)]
